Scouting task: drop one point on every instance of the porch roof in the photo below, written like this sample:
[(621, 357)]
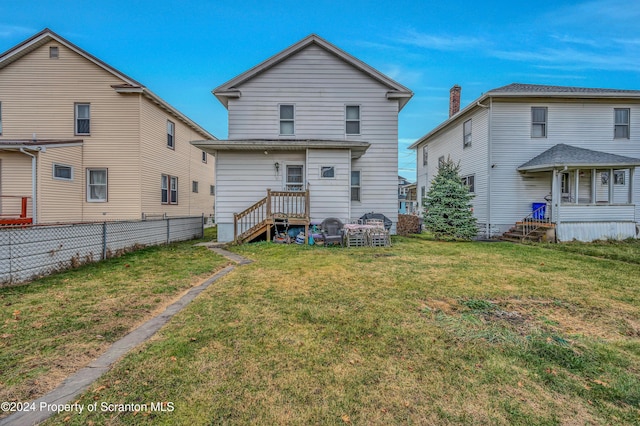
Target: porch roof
[(358, 148), (38, 144), (562, 155)]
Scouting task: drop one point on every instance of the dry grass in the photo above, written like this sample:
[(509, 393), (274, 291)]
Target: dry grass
[(54, 326), (419, 333)]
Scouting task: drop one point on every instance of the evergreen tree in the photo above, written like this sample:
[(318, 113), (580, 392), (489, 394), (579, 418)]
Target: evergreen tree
[(448, 210)]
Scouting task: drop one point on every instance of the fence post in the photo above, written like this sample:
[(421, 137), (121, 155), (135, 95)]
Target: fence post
[(104, 240), (168, 231), (202, 227)]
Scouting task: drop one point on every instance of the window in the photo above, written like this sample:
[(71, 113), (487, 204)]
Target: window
[(54, 52), (97, 185), (538, 122), (423, 192), (212, 190), (171, 134), (355, 185), (470, 182), (194, 186), (425, 155), (169, 190), (352, 123), (295, 180), (466, 129), (63, 172), (441, 161), (286, 120), (83, 119), (204, 157), (621, 125), (618, 177), (327, 172)]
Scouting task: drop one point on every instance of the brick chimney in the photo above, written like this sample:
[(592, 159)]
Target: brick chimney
[(454, 100)]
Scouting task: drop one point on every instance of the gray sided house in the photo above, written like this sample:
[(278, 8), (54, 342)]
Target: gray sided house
[(568, 153), (313, 133)]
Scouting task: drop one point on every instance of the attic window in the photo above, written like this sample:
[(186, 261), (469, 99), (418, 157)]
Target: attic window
[(54, 52)]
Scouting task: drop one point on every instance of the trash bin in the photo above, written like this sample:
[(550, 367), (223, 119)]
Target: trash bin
[(538, 210)]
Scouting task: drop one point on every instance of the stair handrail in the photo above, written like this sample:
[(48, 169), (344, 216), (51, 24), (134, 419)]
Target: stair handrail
[(245, 221), (534, 220)]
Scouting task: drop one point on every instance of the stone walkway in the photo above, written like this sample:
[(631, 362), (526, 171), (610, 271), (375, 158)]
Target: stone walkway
[(77, 383)]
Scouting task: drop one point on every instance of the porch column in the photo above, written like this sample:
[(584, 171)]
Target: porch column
[(555, 197), (594, 198), (631, 173), (610, 186), (577, 182)]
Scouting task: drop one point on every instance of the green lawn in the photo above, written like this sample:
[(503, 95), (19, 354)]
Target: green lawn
[(420, 333)]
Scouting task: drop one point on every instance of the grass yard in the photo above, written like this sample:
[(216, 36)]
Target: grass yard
[(58, 324), (423, 332)]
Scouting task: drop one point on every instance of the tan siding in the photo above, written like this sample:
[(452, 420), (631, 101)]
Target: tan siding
[(61, 200), (184, 162), (122, 138), (15, 181)]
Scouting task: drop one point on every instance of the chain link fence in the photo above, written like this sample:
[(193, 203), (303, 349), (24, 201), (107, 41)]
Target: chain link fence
[(30, 252)]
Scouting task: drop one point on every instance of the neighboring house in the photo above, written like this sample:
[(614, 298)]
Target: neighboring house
[(81, 141), (570, 151), (317, 127), (406, 203)]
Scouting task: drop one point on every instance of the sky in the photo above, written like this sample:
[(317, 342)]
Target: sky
[(183, 50)]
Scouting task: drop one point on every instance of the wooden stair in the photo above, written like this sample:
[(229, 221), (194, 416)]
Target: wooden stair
[(541, 232)]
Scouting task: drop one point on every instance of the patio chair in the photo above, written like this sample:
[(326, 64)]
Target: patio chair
[(331, 229)]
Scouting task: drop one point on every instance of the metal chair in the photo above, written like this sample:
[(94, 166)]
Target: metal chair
[(331, 229)]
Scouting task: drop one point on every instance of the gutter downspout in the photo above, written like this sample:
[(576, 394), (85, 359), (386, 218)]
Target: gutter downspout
[(34, 213), (489, 167)]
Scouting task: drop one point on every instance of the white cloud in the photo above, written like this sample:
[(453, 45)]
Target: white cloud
[(439, 42), (9, 31)]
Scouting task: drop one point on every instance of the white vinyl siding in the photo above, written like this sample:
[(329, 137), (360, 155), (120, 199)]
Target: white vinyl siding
[(329, 196)]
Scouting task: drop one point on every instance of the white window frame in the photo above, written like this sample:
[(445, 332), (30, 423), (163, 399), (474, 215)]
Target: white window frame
[(57, 166), (425, 155), (291, 120), (622, 125), (54, 52), (171, 134), (169, 186), (77, 117), (348, 120), (541, 124), (290, 185), (470, 182), (466, 133), (331, 169), (358, 186), (90, 185)]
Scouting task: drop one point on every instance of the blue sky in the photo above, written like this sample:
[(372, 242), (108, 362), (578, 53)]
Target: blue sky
[(182, 50)]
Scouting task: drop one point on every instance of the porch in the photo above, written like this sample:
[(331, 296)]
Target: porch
[(14, 210), (592, 194), (291, 207)]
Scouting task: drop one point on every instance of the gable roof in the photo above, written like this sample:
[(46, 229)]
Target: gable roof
[(562, 155), (230, 88), (129, 85), (520, 90)]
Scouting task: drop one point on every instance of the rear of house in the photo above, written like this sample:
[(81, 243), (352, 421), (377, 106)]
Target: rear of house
[(311, 119), (572, 152), (81, 141)]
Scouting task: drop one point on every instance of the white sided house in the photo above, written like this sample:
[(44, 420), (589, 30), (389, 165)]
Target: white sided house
[(313, 133), (543, 160)]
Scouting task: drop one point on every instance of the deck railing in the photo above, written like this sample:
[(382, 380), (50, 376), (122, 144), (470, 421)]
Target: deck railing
[(289, 204), (14, 210)]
